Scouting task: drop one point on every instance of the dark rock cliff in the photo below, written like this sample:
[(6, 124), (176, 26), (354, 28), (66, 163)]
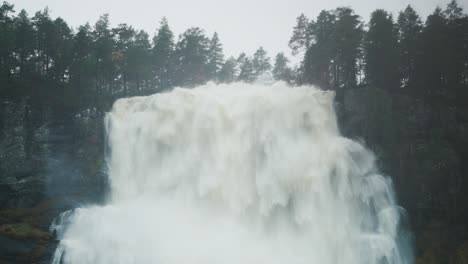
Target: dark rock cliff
[(424, 147), (48, 164)]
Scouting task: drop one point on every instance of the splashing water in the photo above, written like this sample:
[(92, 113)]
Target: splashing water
[(236, 174)]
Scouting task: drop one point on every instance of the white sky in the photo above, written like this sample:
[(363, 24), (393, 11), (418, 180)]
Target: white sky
[(243, 25)]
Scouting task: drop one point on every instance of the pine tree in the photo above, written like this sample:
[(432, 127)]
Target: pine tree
[(331, 60), (317, 64), (163, 49), (464, 25), (24, 44), (61, 55), (6, 46), (215, 57), (381, 51), (191, 56), (434, 54), (81, 70), (246, 70), (281, 70), (302, 37), (409, 36), (124, 41), (456, 35), (260, 62), (44, 41), (228, 71), (139, 62), (348, 36), (104, 58)]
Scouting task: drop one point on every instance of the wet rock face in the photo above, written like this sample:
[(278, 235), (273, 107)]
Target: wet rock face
[(19, 166), (424, 147), (48, 164)]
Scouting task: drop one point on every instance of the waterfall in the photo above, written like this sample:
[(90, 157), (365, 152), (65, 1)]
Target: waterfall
[(236, 174)]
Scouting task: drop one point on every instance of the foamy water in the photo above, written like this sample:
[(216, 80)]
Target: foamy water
[(241, 174)]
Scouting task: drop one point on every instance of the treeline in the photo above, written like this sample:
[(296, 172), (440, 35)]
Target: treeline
[(48, 63), (426, 60)]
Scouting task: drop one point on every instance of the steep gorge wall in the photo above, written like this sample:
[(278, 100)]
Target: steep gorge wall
[(424, 147), (47, 164)]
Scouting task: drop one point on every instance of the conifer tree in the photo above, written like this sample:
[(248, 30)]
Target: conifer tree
[(215, 57)]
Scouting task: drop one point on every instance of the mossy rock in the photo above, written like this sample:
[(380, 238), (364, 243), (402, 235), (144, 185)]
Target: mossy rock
[(22, 230), (35, 215), (434, 256)]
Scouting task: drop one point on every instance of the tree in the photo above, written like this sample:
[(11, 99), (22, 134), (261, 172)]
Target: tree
[(24, 44), (301, 38), (246, 70), (464, 25), (260, 62), (6, 46), (281, 70), (124, 41), (453, 11), (348, 36), (139, 61), (316, 67), (434, 54), (81, 69), (228, 71), (191, 57), (409, 35), (456, 34), (104, 58), (331, 60), (163, 49), (44, 61), (381, 51), (44, 41), (61, 56), (215, 57)]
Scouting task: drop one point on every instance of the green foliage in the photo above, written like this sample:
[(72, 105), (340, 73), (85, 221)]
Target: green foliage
[(246, 70), (260, 62), (381, 51), (162, 53), (348, 36), (424, 60), (191, 57), (434, 52), (317, 63), (215, 57), (6, 44), (228, 71), (302, 37), (331, 59), (409, 36), (49, 64), (281, 70)]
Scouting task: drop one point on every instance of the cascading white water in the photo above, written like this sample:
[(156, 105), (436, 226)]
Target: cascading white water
[(241, 174)]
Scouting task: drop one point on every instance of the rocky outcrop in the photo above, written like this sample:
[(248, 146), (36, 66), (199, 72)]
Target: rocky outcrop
[(48, 164), (424, 147)]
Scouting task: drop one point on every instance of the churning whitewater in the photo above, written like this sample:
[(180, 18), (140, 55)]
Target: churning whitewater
[(236, 174)]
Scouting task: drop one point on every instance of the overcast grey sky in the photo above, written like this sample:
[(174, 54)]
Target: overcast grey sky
[(243, 25)]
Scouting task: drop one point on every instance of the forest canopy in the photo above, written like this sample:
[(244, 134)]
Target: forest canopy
[(48, 63)]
